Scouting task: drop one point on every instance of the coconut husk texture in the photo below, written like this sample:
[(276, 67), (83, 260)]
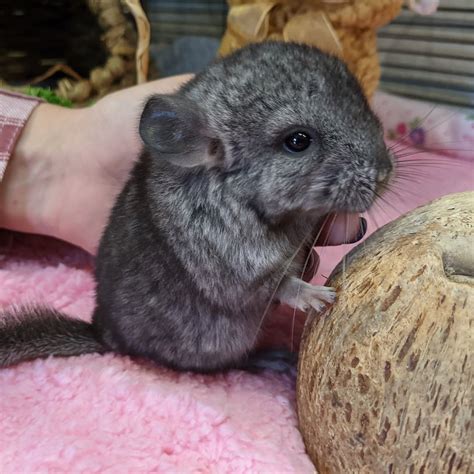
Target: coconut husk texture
[(385, 379)]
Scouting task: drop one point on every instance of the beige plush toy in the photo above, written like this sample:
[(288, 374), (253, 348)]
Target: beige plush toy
[(346, 28)]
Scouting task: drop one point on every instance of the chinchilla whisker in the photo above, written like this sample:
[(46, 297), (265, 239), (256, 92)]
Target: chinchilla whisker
[(403, 178), (437, 124), (445, 119), (272, 296), (398, 187), (386, 202), (380, 199), (450, 142), (411, 146), (423, 161), (401, 193), (399, 141), (409, 170), (415, 178), (432, 147), (305, 266), (432, 159), (382, 211)]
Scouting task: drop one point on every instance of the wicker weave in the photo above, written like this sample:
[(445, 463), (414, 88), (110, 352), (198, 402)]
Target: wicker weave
[(100, 45)]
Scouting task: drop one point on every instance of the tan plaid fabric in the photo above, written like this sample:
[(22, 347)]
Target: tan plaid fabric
[(15, 110)]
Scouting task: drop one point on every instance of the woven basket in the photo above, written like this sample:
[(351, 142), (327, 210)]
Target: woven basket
[(83, 49), (350, 25)]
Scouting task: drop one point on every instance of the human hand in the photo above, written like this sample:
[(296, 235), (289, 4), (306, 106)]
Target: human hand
[(337, 229), (69, 165)]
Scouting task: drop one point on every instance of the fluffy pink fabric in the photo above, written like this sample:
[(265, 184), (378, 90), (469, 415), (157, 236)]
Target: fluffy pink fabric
[(111, 414)]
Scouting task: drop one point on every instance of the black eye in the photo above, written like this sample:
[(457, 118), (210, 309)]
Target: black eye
[(298, 142)]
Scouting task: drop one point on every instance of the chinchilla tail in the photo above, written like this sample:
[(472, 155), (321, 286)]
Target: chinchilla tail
[(37, 333)]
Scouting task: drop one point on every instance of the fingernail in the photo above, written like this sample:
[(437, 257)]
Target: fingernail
[(362, 229)]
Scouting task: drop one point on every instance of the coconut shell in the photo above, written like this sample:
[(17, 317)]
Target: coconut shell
[(385, 379)]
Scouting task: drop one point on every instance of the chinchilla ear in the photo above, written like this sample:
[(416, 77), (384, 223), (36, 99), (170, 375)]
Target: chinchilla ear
[(174, 127)]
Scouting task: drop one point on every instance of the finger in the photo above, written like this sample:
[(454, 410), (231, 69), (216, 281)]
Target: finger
[(342, 229)]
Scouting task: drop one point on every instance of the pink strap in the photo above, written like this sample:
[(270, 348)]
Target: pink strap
[(15, 110)]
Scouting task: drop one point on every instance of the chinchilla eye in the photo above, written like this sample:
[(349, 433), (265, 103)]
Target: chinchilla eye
[(297, 142)]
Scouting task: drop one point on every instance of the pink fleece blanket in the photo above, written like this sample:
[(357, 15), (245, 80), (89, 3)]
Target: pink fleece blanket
[(111, 414)]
